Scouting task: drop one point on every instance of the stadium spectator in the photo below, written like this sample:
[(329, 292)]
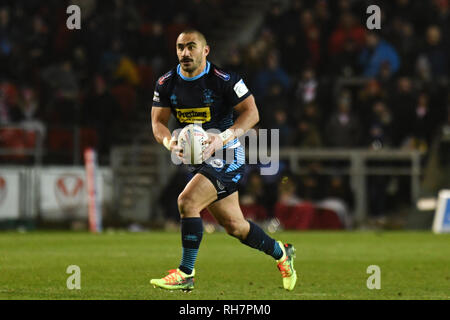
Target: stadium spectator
[(252, 198), (272, 73), (6, 39), (280, 123), (168, 198), (307, 87), (432, 62), (128, 71), (275, 99), (402, 99), (313, 43), (274, 19), (235, 62), (371, 93), (343, 127), (380, 127), (345, 63), (402, 35), (254, 189), (146, 78), (154, 45), (347, 31), (125, 95), (9, 111), (440, 15), (324, 19), (28, 104), (307, 132), (421, 126), (337, 198), (102, 112), (376, 53), (287, 191), (63, 87)]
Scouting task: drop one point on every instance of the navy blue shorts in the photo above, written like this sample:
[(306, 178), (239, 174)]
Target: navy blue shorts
[(224, 176)]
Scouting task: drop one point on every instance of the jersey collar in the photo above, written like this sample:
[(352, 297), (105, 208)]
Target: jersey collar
[(205, 71)]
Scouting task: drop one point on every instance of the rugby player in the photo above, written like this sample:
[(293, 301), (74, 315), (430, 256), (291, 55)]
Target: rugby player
[(198, 91)]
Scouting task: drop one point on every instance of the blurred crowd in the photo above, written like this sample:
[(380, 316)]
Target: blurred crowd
[(97, 78), (318, 74), (325, 80), (301, 52)]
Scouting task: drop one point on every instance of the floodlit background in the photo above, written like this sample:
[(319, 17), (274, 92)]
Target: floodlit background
[(364, 117)]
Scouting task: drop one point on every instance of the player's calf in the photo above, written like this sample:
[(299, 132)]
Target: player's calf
[(258, 239)]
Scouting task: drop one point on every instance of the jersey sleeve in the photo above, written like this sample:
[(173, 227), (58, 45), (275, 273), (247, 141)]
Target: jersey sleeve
[(160, 96), (237, 91)]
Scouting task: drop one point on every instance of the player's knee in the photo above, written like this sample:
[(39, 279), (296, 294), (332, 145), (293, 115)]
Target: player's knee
[(234, 228), (187, 206)]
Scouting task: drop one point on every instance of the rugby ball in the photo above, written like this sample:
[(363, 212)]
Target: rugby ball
[(191, 139)]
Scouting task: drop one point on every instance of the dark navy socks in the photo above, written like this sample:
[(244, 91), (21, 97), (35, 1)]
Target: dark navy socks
[(258, 239), (191, 236), (192, 233)]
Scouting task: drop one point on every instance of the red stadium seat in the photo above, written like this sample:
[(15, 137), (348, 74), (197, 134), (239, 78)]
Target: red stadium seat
[(18, 140), (327, 219), (60, 140), (88, 138), (299, 217), (255, 212), (125, 95)]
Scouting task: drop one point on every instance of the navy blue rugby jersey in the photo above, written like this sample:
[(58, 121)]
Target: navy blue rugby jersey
[(207, 98)]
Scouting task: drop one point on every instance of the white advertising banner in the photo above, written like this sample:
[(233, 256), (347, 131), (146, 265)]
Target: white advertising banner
[(63, 192), (9, 194)]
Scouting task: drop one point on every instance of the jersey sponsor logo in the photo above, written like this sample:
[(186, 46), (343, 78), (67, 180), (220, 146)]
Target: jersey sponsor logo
[(222, 75), (240, 88), (197, 115), (162, 79)]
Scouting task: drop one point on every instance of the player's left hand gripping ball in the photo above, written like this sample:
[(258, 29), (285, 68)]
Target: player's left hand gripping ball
[(213, 144)]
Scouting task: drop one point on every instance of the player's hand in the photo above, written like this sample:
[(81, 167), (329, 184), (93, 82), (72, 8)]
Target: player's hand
[(213, 144), (173, 147), (178, 152), (173, 144)]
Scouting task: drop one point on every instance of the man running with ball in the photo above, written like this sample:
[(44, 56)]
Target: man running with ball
[(196, 91)]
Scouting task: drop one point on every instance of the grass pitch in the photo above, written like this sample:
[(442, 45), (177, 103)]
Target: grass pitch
[(330, 265)]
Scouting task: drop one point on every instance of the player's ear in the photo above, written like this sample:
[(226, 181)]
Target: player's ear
[(206, 50)]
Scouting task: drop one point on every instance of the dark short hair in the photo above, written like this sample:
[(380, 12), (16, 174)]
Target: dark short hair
[(198, 33)]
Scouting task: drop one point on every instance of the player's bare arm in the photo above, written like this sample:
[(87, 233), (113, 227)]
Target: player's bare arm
[(247, 119), (160, 120)]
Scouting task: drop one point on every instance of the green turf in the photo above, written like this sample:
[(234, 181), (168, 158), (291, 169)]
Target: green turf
[(331, 265)]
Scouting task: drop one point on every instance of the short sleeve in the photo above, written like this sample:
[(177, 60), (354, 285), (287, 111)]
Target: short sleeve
[(237, 90), (162, 88), (160, 97)]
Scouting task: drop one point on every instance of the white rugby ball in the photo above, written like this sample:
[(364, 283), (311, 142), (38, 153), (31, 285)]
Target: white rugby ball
[(191, 139)]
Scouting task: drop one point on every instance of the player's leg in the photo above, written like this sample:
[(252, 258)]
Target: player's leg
[(197, 194), (228, 214)]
